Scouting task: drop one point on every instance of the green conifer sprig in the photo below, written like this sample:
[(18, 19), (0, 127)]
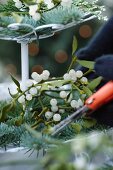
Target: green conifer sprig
[(62, 15), (58, 15), (8, 8)]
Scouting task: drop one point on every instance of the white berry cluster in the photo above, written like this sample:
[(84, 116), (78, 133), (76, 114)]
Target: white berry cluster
[(55, 112), (39, 77), (76, 104), (42, 86), (33, 11), (29, 90), (49, 4), (74, 75)]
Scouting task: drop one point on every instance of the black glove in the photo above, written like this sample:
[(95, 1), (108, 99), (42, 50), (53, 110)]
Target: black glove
[(104, 68), (100, 50), (101, 44)]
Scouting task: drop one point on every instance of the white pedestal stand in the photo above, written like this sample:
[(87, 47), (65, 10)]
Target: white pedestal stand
[(24, 62)]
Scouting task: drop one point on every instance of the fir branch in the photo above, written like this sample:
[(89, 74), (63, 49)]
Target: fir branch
[(8, 8), (62, 15)]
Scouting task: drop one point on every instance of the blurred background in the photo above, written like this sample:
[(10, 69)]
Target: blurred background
[(52, 53)]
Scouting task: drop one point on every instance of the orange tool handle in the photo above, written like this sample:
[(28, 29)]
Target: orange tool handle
[(101, 97)]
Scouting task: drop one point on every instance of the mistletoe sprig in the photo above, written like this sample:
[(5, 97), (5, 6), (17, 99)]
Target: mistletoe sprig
[(64, 95), (36, 13), (46, 101), (36, 8)]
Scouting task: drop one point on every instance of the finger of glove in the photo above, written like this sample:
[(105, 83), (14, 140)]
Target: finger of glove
[(104, 67), (84, 54), (100, 44)]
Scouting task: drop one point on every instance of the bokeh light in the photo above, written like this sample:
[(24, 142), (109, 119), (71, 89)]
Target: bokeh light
[(37, 68), (61, 56), (33, 49), (11, 68), (85, 31)]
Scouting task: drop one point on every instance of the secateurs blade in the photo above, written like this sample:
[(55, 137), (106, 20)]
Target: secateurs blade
[(95, 101)]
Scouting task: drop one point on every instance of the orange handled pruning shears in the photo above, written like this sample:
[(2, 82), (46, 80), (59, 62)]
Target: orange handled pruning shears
[(101, 97)]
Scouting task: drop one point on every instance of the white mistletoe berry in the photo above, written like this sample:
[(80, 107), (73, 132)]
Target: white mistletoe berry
[(63, 94), (80, 103), (67, 77), (45, 75), (79, 74), (29, 83), (53, 102), (36, 16), (46, 72), (13, 91), (18, 4), (32, 9), (74, 78), (74, 104), (61, 110), (33, 91), (21, 99), (23, 87), (72, 74), (57, 117), (48, 115), (37, 77), (50, 5), (66, 3), (54, 108), (84, 80), (29, 97)]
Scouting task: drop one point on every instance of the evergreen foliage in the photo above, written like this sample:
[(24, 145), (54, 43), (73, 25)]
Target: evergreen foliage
[(58, 15)]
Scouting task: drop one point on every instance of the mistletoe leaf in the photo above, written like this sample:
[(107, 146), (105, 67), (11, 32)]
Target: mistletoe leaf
[(87, 64), (19, 120), (77, 127), (5, 110), (87, 91), (44, 87), (94, 83), (74, 45), (89, 122), (57, 83), (15, 81)]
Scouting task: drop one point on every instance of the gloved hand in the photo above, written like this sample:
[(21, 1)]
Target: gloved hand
[(100, 50), (101, 44), (104, 68)]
